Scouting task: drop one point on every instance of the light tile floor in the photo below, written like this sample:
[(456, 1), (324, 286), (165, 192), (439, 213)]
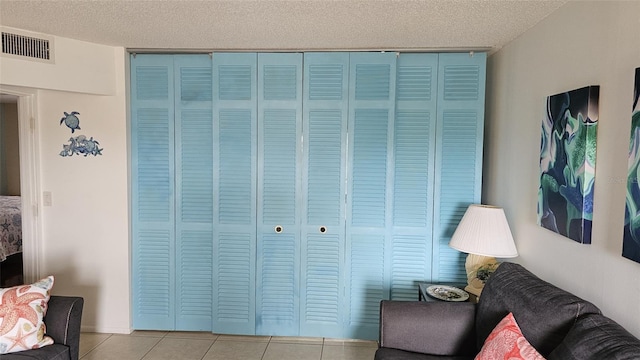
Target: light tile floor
[(161, 345)]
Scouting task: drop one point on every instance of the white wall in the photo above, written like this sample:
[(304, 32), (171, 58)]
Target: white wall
[(583, 43), (79, 66), (85, 236)]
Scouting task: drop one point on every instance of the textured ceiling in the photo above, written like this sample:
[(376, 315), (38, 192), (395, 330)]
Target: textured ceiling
[(282, 24)]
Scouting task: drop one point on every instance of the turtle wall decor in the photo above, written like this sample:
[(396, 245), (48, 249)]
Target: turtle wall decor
[(79, 145), (71, 120)]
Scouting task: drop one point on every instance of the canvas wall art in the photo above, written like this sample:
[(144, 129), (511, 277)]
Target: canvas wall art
[(631, 238), (568, 162)]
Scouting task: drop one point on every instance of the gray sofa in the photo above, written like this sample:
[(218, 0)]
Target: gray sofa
[(63, 325), (558, 324)]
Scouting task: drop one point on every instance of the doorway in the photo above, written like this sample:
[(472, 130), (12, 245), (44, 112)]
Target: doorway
[(11, 264), (21, 266)]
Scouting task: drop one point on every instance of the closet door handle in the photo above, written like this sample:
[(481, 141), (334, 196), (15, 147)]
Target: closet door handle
[(278, 229), (323, 229)]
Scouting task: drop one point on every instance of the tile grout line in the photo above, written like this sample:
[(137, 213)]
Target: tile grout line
[(209, 348), (154, 345), (93, 348), (265, 348)]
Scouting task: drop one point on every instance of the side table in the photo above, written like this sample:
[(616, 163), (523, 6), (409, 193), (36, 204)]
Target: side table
[(422, 291)]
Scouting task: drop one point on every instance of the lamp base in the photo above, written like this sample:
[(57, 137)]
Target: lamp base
[(478, 269)]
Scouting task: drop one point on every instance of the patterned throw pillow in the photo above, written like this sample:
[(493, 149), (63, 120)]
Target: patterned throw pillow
[(22, 309), (507, 342)]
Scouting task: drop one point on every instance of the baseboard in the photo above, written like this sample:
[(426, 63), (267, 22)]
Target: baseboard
[(105, 330)]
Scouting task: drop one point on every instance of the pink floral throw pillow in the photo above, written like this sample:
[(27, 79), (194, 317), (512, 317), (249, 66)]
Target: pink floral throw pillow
[(22, 309), (507, 342)]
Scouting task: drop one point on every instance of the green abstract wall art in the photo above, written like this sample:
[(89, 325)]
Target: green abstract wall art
[(631, 239), (568, 162)]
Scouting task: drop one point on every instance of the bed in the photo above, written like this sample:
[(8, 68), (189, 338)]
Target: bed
[(10, 226)]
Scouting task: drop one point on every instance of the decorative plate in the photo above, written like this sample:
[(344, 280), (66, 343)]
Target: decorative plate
[(447, 293)]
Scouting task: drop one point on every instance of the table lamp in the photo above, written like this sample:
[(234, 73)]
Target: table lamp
[(484, 234)]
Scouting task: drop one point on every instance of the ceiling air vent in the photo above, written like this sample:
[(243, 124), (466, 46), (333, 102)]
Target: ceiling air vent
[(26, 46)]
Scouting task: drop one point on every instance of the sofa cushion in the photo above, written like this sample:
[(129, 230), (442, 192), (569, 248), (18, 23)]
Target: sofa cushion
[(545, 313), (448, 331), (50, 352), (22, 309), (507, 342), (597, 337), (395, 354)]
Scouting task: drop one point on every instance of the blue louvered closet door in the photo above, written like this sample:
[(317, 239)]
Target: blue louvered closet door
[(414, 165), (152, 192), (288, 193), (326, 107), (279, 188), (460, 129), (235, 178), (172, 192), (371, 120), (414, 145)]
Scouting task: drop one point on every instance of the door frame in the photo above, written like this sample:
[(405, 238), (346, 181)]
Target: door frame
[(29, 179)]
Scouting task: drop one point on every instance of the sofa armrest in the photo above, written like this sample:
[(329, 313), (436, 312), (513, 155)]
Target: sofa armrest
[(435, 328), (62, 320)]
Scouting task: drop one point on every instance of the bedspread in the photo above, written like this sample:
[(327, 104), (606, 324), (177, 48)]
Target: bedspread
[(10, 226)]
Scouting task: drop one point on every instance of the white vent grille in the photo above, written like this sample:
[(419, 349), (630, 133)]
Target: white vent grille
[(26, 46)]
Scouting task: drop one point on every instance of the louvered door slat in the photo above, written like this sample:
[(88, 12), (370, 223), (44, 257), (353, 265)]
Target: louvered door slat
[(153, 278), (152, 188), (194, 192), (414, 168), (372, 88), (323, 187), (195, 296), (279, 144), (459, 160), (279, 193), (235, 177), (234, 306)]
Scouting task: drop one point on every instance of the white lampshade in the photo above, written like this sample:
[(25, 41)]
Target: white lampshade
[(484, 231)]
